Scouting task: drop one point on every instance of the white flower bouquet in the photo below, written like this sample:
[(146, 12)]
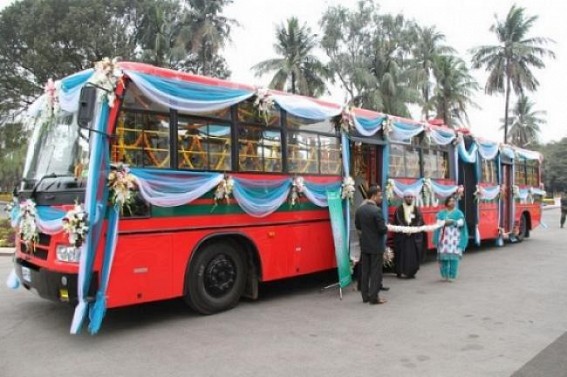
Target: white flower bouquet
[(75, 225), (122, 185), (297, 188)]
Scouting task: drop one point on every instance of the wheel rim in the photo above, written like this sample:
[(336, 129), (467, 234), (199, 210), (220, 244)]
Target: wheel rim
[(220, 276)]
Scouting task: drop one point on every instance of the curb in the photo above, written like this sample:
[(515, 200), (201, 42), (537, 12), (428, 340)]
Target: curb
[(7, 251)]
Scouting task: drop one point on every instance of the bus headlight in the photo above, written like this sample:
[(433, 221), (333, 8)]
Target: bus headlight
[(68, 253)]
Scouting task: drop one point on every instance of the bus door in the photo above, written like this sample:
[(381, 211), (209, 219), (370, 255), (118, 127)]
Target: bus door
[(506, 204), (366, 169), (467, 204)]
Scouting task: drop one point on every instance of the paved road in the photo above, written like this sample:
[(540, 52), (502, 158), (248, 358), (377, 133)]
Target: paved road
[(505, 315)]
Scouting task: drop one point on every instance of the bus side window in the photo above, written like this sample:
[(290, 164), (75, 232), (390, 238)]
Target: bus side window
[(142, 140)]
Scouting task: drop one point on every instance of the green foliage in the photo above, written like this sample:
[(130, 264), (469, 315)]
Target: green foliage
[(453, 91), (54, 38), (369, 54), (386, 62), (297, 70), (524, 123), (7, 234), (554, 165), (12, 153), (510, 62)]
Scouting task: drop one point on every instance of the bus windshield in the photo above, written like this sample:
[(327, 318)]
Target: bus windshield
[(57, 148)]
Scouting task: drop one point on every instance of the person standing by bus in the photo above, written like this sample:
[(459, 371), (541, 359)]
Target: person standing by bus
[(563, 209), (408, 247), (451, 240), (370, 223)]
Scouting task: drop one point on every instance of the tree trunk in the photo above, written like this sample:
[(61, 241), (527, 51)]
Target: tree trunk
[(293, 82), (506, 107)]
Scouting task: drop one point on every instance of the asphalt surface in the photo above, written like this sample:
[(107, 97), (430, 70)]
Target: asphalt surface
[(505, 315)]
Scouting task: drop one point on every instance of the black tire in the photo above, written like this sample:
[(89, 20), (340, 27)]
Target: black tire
[(216, 278), (523, 228)]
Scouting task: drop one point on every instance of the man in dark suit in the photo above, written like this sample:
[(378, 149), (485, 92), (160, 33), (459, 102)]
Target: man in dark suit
[(370, 223)]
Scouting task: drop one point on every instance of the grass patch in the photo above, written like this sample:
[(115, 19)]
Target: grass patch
[(5, 197)]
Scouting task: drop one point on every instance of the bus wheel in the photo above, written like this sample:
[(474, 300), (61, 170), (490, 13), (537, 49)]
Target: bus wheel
[(523, 228), (217, 278)]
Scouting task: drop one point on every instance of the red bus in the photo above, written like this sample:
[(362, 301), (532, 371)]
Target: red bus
[(229, 186)]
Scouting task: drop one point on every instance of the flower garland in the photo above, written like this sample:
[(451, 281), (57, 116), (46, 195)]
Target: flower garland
[(297, 188), (75, 224), (346, 122), (347, 188), (530, 198), (388, 257), (9, 207), (122, 185), (415, 229), (460, 192), (390, 193), (106, 77), (264, 103), (478, 194), (224, 189), (387, 127), (52, 99), (429, 198), (515, 191), (28, 227), (427, 132), (457, 140)]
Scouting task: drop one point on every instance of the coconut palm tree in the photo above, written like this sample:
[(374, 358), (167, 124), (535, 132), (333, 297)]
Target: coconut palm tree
[(525, 123), (509, 63), (296, 70), (208, 33), (454, 90), (427, 46), (388, 55)]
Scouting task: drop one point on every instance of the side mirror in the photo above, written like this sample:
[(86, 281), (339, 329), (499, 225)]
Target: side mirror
[(87, 102)]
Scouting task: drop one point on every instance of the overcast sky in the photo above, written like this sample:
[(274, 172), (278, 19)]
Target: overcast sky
[(464, 22)]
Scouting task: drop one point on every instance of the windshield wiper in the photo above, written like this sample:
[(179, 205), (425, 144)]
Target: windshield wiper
[(36, 186)]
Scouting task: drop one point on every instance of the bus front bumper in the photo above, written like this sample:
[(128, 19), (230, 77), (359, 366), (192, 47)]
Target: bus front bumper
[(51, 285)]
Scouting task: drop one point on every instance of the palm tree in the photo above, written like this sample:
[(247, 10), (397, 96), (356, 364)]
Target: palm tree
[(525, 122), (297, 68), (209, 33), (454, 90), (427, 46), (509, 63), (163, 34), (388, 56)]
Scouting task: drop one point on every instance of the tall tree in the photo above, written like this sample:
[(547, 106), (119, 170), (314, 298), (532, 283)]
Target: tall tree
[(390, 54), (12, 153), (369, 54), (554, 165), (53, 38), (454, 90), (511, 61), (428, 45), (347, 36), (209, 33), (297, 69), (524, 127), (164, 34)]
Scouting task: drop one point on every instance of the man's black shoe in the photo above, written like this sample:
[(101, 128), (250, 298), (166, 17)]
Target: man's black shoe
[(384, 288)]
